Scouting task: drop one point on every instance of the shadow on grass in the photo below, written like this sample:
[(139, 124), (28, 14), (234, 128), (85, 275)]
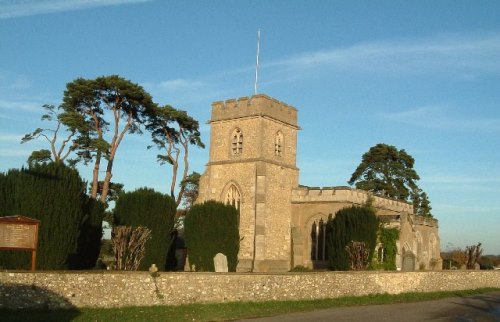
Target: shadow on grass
[(22, 302)]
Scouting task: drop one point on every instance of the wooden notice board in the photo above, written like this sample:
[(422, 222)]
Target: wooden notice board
[(20, 233)]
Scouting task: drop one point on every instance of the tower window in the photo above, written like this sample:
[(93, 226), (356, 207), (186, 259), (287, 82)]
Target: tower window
[(237, 142), (278, 144), (233, 197)]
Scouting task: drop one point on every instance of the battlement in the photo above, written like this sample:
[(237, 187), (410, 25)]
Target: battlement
[(257, 105), (424, 221), (346, 194)]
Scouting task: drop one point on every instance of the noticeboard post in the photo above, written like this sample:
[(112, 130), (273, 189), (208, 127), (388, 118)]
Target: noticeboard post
[(20, 233)]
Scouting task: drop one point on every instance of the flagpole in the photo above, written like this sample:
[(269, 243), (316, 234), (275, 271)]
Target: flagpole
[(257, 63)]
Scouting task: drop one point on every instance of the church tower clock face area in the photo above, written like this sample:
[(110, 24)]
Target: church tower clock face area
[(252, 165)]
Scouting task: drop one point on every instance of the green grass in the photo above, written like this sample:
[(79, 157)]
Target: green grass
[(224, 311)]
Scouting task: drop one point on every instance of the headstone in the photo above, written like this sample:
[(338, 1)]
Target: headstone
[(408, 262), (220, 263)]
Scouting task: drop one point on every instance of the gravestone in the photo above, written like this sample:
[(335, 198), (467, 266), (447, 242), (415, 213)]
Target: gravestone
[(408, 262), (220, 262)]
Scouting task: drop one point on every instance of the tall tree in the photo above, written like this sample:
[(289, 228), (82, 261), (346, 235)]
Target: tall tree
[(58, 152), (191, 186), (387, 171), (421, 203), (91, 101), (173, 131)]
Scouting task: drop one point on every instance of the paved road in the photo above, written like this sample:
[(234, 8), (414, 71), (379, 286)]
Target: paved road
[(480, 308)]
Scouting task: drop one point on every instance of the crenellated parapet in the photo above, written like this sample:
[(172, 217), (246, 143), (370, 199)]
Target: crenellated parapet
[(424, 221), (257, 105), (347, 195)]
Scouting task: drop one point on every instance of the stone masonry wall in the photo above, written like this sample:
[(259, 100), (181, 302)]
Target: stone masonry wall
[(19, 290)]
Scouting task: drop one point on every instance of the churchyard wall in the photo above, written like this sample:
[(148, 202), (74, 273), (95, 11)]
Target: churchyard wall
[(42, 290)]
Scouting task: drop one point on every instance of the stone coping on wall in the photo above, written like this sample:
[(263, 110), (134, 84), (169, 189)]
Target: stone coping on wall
[(21, 290)]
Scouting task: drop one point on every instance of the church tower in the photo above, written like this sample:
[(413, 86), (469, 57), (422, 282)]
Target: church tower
[(252, 165)]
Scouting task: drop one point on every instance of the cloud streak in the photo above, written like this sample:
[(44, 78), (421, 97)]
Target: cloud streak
[(464, 54), (441, 117), (180, 84), (19, 8), (8, 105), (10, 138), (465, 57)]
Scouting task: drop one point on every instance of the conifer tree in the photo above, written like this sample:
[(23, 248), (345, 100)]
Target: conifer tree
[(54, 194), (211, 228), (355, 223), (153, 210)]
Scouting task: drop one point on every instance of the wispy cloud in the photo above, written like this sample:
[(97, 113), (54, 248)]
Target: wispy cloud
[(441, 117), (10, 138), (20, 83), (8, 105), (180, 84), (182, 91), (464, 54), (19, 8), (462, 209), (15, 153), (465, 57), (462, 180)]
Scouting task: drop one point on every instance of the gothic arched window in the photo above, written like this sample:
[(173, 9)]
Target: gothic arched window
[(318, 240), (278, 144), (233, 197), (237, 141)]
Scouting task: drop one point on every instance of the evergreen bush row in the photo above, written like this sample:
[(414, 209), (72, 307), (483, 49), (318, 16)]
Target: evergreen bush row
[(70, 222)]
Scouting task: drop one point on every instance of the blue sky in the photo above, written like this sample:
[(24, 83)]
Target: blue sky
[(422, 75)]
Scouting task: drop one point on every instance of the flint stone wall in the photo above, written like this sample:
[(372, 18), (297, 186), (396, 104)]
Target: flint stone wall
[(19, 290)]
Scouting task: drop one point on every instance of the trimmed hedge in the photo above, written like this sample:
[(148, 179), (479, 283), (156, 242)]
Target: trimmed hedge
[(54, 194), (350, 224), (151, 209), (211, 228)]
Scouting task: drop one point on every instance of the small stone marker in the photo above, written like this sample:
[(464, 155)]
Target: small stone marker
[(153, 269), (220, 262)]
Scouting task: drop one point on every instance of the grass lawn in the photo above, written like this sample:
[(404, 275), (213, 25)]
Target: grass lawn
[(224, 311)]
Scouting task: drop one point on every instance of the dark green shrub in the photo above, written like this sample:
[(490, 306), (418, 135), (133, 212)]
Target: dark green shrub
[(388, 237), (151, 209), (89, 240), (350, 224), (55, 195), (211, 228)]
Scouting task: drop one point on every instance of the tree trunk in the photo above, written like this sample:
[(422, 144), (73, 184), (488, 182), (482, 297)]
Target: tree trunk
[(95, 176), (107, 180)]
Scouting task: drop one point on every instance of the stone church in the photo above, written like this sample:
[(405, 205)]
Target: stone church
[(252, 165)]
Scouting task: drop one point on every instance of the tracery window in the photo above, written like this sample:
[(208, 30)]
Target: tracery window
[(233, 197), (318, 240), (237, 141), (278, 144)]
